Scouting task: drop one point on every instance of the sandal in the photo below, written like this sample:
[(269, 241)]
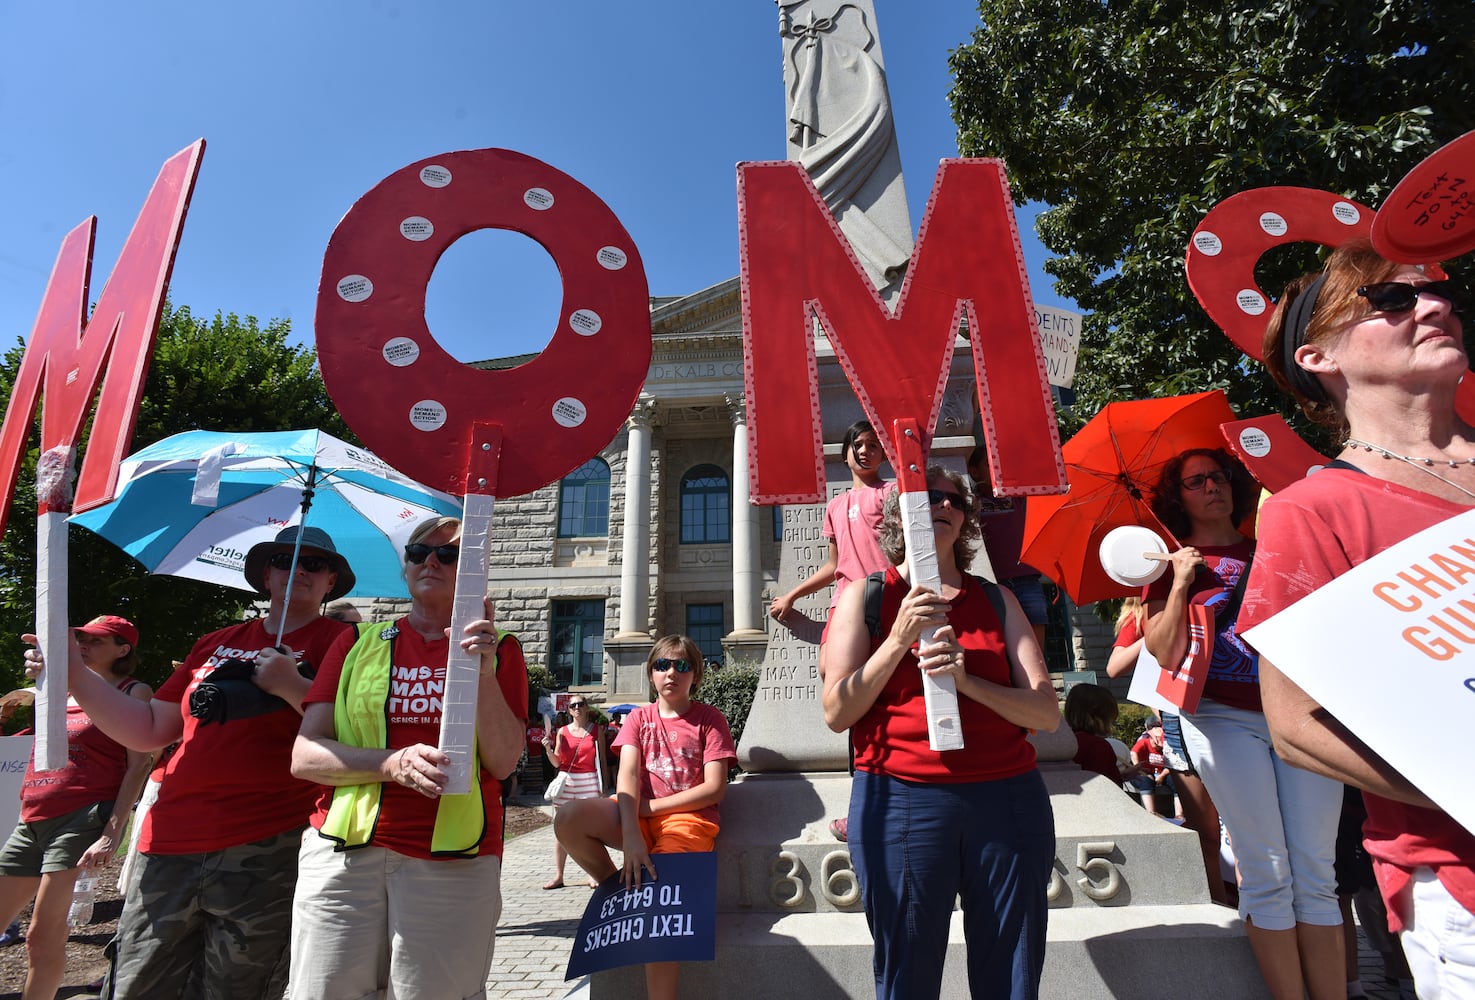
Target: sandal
[(555, 884), (840, 828)]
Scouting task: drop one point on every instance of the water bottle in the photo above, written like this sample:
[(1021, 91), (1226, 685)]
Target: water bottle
[(83, 896)]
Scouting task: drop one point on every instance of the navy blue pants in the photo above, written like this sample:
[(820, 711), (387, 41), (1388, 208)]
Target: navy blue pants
[(916, 847)]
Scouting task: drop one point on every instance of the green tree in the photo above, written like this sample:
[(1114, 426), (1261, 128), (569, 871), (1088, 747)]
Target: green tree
[(225, 373), (1132, 119)]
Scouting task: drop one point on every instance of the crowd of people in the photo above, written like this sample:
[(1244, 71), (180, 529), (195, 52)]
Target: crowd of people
[(302, 841)]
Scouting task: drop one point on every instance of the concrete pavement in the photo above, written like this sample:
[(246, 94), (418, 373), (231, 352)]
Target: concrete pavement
[(538, 925)]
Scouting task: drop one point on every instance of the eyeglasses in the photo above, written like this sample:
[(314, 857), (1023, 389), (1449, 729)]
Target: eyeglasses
[(1400, 296), (662, 665), (1195, 483), (446, 555), (935, 497), (313, 564)]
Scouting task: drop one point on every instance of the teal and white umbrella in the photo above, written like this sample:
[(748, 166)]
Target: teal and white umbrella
[(193, 504)]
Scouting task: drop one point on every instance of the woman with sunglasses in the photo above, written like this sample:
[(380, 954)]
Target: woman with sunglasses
[(577, 750), (1373, 350), (1281, 821), (926, 826), (674, 759), (399, 888)]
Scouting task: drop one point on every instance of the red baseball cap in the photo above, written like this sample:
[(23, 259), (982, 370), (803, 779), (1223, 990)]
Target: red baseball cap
[(112, 625)]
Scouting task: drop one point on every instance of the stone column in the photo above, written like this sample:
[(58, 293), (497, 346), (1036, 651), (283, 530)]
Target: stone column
[(747, 636), (635, 550)]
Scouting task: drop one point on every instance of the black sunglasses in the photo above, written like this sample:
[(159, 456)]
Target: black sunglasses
[(1195, 483), (662, 665), (575, 704), (313, 564), (935, 497), (446, 555), (1400, 296)]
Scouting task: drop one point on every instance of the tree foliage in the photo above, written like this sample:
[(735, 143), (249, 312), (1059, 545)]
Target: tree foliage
[(226, 373), (1132, 119)]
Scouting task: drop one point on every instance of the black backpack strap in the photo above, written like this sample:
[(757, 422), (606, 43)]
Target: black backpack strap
[(996, 598), (875, 585)]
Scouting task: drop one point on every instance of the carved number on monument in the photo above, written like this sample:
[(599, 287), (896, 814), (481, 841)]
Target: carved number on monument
[(1096, 868), (776, 888), (837, 879), (1058, 887)]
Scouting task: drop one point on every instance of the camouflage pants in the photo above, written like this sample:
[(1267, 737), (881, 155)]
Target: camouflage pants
[(213, 926)]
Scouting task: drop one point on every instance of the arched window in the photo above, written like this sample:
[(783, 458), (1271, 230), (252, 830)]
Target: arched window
[(583, 501), (705, 505)]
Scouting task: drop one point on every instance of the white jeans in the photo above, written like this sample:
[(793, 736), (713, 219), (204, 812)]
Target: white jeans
[(1282, 821), (371, 923), (1439, 942)]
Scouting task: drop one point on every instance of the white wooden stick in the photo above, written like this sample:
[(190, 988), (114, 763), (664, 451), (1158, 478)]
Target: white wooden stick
[(53, 631), (944, 727), (463, 669)]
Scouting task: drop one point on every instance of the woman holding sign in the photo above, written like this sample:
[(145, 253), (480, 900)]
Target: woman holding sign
[(1373, 350), (400, 886), (1281, 821), (926, 826)]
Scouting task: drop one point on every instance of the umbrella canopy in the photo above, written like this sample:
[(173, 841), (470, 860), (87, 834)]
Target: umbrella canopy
[(193, 504), (1112, 466)]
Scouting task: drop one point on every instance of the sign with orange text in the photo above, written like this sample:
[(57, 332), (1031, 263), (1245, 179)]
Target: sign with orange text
[(1389, 649)]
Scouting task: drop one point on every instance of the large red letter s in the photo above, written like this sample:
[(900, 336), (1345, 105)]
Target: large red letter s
[(796, 264), (124, 324)]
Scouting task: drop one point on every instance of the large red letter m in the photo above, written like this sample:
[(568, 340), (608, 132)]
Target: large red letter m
[(71, 352), (796, 265)]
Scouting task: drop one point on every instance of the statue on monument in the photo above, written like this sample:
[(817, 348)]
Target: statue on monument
[(841, 128)]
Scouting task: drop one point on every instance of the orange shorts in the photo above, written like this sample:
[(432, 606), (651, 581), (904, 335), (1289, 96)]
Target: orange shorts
[(678, 833)]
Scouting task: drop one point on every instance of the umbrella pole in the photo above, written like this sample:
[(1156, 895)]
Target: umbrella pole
[(307, 495)]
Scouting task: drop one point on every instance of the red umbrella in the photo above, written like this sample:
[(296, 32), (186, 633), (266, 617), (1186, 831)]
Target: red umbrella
[(1112, 466)]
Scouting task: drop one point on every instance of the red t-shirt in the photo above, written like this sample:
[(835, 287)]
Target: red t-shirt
[(231, 784), (1149, 755), (407, 818), (674, 752), (1131, 631), (1095, 754), (1310, 534), (1234, 669), (94, 770), (891, 737)]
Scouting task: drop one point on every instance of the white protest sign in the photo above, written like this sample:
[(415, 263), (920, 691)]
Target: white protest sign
[(1143, 689), (15, 754), (1389, 649), (1060, 338)]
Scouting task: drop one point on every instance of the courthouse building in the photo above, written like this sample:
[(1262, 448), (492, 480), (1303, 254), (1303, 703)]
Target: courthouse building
[(655, 534)]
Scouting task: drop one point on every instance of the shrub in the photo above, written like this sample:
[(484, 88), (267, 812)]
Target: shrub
[(540, 682), (1129, 722), (730, 690)]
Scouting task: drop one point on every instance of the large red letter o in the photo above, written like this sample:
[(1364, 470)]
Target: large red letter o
[(416, 406)]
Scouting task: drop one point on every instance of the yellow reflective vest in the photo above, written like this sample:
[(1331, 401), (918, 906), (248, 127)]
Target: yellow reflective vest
[(361, 719)]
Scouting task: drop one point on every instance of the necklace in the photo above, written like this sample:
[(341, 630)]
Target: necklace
[(1424, 465)]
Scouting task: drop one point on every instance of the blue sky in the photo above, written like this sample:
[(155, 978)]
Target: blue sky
[(306, 105)]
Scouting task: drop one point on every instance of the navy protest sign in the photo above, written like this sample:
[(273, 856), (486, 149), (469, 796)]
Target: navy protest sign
[(671, 920)]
